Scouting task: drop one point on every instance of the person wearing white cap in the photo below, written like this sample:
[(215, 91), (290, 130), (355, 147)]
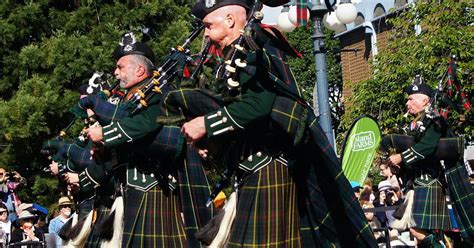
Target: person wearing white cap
[(387, 196), (64, 206), (5, 225)]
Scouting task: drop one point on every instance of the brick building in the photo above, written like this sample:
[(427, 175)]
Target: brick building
[(361, 40)]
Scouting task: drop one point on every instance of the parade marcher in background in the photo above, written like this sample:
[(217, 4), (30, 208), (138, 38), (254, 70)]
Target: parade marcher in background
[(427, 175), (26, 230), (5, 226), (314, 205), (74, 155), (55, 225)]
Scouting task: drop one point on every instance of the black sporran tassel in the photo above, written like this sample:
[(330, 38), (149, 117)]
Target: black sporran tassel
[(106, 227), (65, 232), (76, 229), (207, 233)]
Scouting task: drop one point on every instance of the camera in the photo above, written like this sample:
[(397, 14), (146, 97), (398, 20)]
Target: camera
[(389, 193)]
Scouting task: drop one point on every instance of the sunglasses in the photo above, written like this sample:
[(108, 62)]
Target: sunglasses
[(29, 220), (65, 206)]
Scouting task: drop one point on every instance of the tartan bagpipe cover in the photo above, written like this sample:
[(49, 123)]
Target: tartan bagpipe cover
[(105, 112), (331, 215)]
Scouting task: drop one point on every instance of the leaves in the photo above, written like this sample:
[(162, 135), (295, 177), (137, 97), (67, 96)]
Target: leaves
[(445, 30), (48, 49)]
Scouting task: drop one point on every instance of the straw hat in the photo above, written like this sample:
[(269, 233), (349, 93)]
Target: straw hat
[(64, 201)]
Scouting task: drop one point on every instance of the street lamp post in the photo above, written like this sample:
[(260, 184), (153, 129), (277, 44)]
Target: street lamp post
[(321, 88), (346, 13)]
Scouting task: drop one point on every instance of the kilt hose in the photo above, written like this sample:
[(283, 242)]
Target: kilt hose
[(462, 196), (267, 210), (429, 207), (152, 219)]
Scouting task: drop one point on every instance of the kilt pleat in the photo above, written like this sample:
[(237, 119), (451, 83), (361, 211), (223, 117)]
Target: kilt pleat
[(267, 213), (152, 219), (429, 207), (462, 195), (94, 240), (194, 191)]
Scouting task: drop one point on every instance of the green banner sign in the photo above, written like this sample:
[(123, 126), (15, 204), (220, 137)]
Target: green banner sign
[(358, 151)]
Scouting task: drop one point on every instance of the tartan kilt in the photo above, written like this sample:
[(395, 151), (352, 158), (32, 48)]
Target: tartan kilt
[(429, 207), (462, 196), (94, 240), (331, 199), (267, 212), (152, 219), (194, 191)]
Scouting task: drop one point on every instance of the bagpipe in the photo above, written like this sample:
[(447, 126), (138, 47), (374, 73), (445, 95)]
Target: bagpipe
[(448, 148), (237, 59), (175, 62)]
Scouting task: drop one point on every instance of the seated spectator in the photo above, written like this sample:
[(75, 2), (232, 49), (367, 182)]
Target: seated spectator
[(5, 226), (385, 197), (26, 230)]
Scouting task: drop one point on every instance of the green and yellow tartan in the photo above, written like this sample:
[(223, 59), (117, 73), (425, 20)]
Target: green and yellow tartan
[(94, 240), (329, 213), (194, 191), (462, 195), (267, 210), (430, 211), (329, 218), (152, 219)]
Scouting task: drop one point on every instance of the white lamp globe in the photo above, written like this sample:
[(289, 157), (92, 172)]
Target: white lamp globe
[(292, 15), (331, 22), (284, 23), (346, 13)]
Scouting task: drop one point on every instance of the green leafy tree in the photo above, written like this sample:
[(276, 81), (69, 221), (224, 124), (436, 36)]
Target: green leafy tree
[(446, 29), (305, 71), (48, 48)]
